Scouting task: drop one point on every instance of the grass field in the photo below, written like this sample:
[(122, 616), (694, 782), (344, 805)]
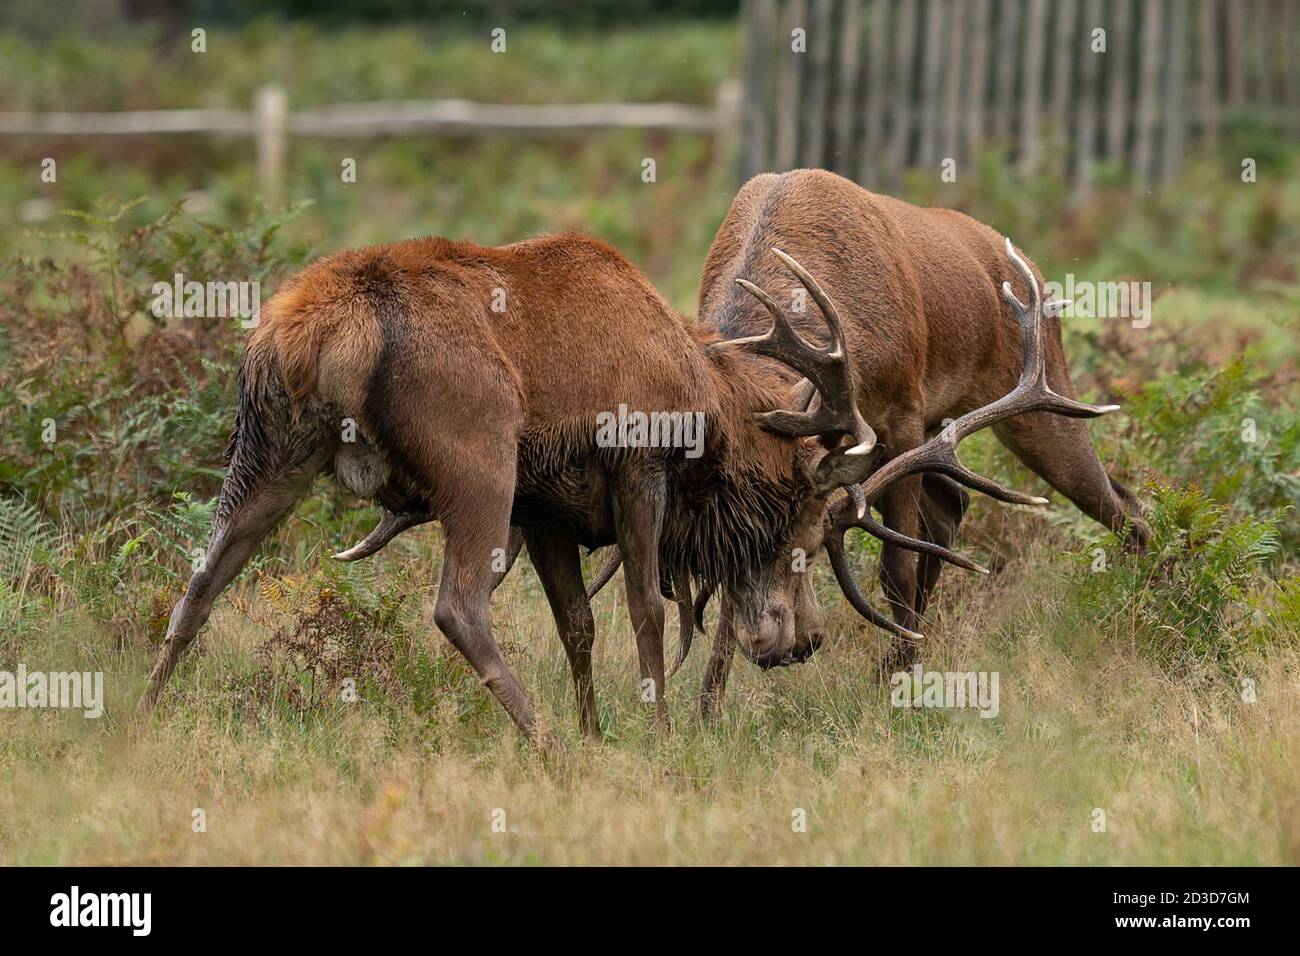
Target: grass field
[(1185, 771), (1149, 706)]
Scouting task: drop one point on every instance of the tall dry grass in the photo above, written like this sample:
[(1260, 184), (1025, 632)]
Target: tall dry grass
[(1184, 770)]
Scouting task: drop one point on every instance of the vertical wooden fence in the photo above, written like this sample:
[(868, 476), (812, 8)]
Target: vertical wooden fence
[(869, 88)]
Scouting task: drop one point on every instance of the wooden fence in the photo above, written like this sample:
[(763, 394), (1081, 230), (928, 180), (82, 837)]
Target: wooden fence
[(271, 122), (871, 87)]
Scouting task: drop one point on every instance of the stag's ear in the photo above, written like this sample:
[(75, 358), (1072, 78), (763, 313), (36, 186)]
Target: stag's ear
[(843, 467)]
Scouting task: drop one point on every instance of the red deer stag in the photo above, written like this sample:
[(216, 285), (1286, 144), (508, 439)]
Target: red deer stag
[(929, 342), (484, 419)]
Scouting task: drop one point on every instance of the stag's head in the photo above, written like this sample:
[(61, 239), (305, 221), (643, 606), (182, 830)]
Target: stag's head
[(774, 613)]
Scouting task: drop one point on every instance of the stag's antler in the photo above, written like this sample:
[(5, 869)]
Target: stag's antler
[(939, 454), (605, 574), (686, 619), (826, 369), (390, 526)]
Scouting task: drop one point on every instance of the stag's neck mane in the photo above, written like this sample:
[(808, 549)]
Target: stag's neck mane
[(732, 510)]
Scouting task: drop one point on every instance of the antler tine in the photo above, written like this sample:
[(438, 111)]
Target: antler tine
[(1031, 329), (829, 312), (390, 526), (844, 516), (1033, 375), (1031, 394), (844, 576), (604, 575), (686, 619), (824, 369), (781, 340)]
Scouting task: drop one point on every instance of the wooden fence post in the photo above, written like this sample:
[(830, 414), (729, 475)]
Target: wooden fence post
[(727, 110), (271, 108), (873, 125), (812, 108), (760, 31), (788, 66), (901, 132), (1031, 92), (1208, 72), (1089, 77), (1175, 132), (1152, 29)]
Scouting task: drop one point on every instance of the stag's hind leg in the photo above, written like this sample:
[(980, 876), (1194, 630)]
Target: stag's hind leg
[(473, 474), (558, 566), (450, 414), (474, 530), (235, 539)]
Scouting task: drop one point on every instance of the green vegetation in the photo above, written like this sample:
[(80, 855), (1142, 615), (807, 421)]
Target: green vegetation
[(322, 719)]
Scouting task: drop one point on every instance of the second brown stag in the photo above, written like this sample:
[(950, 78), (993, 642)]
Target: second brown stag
[(933, 348)]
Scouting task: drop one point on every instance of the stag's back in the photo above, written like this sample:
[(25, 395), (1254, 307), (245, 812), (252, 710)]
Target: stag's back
[(917, 287), (564, 323)]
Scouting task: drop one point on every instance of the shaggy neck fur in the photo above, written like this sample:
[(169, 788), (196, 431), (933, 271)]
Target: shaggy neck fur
[(727, 520)]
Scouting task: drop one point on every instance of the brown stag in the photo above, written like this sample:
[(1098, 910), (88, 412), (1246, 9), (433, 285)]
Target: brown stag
[(485, 419), (930, 341)]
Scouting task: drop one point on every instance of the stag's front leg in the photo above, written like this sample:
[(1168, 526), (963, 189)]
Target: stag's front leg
[(943, 505), (639, 516), (558, 567), (900, 506), (714, 685)]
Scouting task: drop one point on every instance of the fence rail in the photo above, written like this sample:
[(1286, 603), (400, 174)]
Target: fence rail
[(872, 87), (271, 122)]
